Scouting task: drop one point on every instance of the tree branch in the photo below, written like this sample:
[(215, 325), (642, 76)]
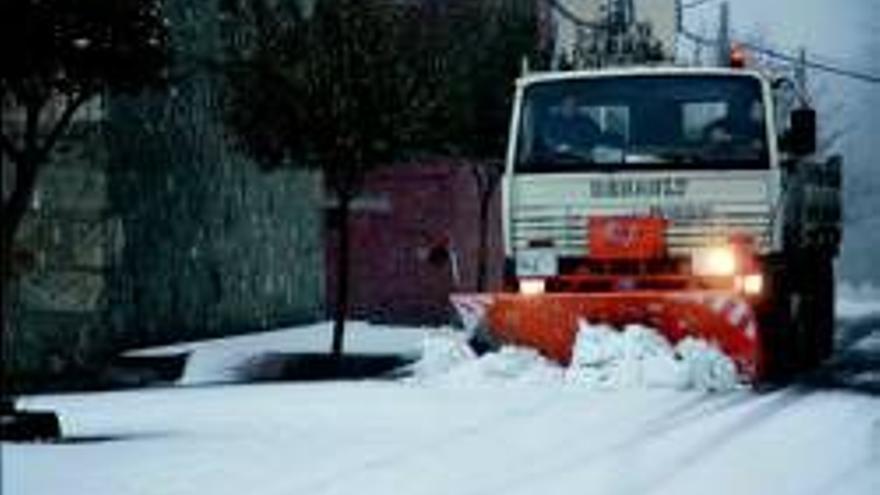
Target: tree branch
[(32, 109), (61, 125), (15, 207), (9, 148)]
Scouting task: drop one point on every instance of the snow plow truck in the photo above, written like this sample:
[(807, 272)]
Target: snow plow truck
[(689, 200)]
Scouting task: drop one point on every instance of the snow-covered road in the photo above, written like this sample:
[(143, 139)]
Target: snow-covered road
[(821, 435), (390, 438)]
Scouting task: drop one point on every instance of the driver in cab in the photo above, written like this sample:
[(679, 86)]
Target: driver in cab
[(744, 128), (568, 130)]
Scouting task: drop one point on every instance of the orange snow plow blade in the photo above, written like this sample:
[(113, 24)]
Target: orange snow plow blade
[(549, 322)]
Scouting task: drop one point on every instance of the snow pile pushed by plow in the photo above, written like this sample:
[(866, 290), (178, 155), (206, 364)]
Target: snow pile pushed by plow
[(603, 358), (448, 359), (640, 357)]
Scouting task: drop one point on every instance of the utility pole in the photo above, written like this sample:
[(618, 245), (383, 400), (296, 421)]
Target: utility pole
[(723, 56), (620, 15), (800, 77)]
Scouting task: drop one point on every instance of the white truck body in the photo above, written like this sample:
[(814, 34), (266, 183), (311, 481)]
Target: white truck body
[(703, 206)]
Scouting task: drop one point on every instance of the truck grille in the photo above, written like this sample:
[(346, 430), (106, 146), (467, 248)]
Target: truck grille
[(567, 229)]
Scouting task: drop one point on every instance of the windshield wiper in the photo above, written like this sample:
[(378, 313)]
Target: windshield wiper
[(560, 158), (570, 156), (666, 155), (689, 157)]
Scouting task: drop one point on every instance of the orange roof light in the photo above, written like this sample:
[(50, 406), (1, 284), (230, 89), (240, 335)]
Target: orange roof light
[(737, 57)]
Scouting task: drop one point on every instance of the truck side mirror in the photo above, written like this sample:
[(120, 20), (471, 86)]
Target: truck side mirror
[(801, 136)]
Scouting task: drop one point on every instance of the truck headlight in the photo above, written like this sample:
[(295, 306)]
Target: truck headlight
[(714, 262), (751, 285), (531, 286)]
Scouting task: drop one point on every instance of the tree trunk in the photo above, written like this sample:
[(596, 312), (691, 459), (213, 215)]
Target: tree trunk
[(26, 161), (14, 210), (342, 277), (483, 248), (16, 206), (487, 177)]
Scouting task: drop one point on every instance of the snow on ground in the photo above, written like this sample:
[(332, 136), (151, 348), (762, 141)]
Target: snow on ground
[(603, 358), (390, 437), (637, 357), (630, 416), (447, 360), (857, 301), (227, 360)]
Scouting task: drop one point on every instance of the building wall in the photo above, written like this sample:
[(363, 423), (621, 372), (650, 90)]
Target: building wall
[(213, 244), (405, 220), (149, 227), (66, 245)]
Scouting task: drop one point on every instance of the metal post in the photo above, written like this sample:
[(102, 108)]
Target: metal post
[(723, 57), (800, 77)]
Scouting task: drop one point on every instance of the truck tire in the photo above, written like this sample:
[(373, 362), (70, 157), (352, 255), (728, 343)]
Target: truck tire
[(813, 312), (797, 317), (478, 338), (803, 328), (829, 297), (821, 311), (482, 342), (776, 316)]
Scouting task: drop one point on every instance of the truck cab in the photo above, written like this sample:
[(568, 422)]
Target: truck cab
[(693, 149), (678, 181)]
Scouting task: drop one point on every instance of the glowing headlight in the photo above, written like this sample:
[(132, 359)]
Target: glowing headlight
[(714, 262), (751, 284), (531, 286)]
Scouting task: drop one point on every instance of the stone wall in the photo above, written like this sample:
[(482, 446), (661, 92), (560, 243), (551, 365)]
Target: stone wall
[(213, 244), (68, 243), (149, 227)]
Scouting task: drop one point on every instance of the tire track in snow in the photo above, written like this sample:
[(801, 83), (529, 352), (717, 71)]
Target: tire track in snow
[(562, 463), (850, 331), (715, 441), (395, 458), (850, 368), (478, 434), (713, 407)]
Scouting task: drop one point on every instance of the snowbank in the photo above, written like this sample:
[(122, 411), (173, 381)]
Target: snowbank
[(448, 359), (603, 358), (640, 357), (236, 359), (857, 301)]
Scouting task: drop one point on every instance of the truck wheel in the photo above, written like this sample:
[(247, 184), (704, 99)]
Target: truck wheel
[(478, 337), (775, 347), (824, 311), (482, 342), (777, 322), (803, 328), (812, 314), (815, 320)]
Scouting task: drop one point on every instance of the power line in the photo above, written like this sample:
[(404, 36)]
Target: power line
[(840, 71), (570, 16), (695, 4), (833, 69)]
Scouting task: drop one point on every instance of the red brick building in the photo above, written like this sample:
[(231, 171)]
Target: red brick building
[(402, 228)]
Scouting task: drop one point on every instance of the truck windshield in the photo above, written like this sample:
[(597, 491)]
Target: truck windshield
[(642, 122)]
